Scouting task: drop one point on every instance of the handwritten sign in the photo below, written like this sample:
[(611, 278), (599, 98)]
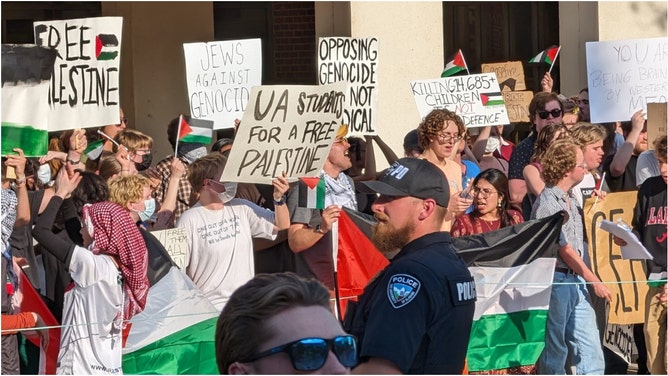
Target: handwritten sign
[(352, 60), (628, 297), (517, 104), (286, 128), (220, 76), (84, 90), (476, 98), (657, 118), (619, 339), (175, 241), (510, 74), (26, 75), (623, 76)]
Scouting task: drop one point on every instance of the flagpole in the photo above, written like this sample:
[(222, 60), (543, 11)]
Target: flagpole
[(178, 135), (335, 255), (555, 59), (465, 65), (108, 138)]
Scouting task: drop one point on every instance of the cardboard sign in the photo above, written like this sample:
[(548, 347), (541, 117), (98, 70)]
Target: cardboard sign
[(175, 241), (355, 61), (220, 76), (26, 75), (510, 74), (84, 90), (628, 283), (624, 75), (285, 128), (656, 122), (517, 104), (476, 98)]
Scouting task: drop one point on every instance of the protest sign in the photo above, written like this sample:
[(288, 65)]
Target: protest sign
[(220, 76), (26, 74), (285, 128), (626, 278), (619, 339), (624, 75), (175, 241), (476, 98), (656, 121), (352, 60), (510, 74), (84, 89), (517, 104)]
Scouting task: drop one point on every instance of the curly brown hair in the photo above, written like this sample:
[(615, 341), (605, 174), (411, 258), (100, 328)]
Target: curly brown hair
[(660, 148), (559, 158), (433, 124), (545, 139)]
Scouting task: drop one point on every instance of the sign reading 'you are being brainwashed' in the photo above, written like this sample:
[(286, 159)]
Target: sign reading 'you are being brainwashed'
[(84, 90), (355, 61), (220, 76)]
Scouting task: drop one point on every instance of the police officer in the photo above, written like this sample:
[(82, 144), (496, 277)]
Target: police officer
[(416, 316)]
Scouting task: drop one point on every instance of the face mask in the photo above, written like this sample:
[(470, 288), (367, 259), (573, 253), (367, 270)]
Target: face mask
[(191, 151), (492, 144), (44, 173), (145, 163), (230, 192), (149, 209)]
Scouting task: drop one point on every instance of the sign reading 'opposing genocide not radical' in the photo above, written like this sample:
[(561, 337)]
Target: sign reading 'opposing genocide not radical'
[(476, 98), (220, 76), (286, 128), (84, 90), (352, 60), (623, 76)]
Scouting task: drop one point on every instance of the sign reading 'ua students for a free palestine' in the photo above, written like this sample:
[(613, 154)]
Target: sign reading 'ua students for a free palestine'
[(84, 90)]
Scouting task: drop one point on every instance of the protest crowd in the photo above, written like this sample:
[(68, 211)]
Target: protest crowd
[(83, 229)]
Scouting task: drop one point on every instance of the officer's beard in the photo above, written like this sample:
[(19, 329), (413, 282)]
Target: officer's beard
[(388, 239)]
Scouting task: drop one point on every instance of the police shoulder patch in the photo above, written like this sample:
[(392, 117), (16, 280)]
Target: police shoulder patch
[(402, 289)]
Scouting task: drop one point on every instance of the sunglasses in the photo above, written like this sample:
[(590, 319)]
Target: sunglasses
[(310, 354), (544, 114)]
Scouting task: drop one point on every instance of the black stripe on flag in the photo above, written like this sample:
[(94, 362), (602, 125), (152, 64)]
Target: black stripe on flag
[(27, 63), (108, 40)]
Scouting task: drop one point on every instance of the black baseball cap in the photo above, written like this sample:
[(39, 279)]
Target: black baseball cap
[(411, 140), (413, 177)]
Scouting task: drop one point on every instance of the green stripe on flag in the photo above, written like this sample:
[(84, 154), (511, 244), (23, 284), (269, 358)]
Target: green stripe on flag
[(498, 341), (499, 102), (196, 138), (191, 349), (33, 142)]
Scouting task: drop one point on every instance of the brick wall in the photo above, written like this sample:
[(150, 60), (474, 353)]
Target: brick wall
[(294, 42)]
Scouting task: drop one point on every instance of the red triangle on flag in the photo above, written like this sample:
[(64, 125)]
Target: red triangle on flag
[(459, 60), (184, 128), (552, 53), (484, 99), (311, 182)]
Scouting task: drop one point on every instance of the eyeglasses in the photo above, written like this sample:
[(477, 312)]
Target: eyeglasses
[(544, 114), (582, 165), (310, 354), (583, 101), (444, 137), (485, 192), (124, 120), (143, 152)]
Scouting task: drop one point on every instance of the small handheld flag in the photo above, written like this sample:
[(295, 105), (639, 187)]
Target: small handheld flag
[(94, 150), (548, 56), (194, 130), (492, 99), (455, 65), (312, 193)]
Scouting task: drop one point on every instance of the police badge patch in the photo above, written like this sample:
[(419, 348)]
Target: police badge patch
[(401, 289)]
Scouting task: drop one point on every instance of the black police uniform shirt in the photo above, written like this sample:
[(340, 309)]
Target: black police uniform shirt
[(418, 312)]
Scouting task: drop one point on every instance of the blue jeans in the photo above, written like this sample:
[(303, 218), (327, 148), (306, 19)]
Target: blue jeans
[(571, 330)]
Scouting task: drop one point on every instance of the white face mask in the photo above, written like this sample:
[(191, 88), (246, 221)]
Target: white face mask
[(230, 192), (492, 144), (44, 173)]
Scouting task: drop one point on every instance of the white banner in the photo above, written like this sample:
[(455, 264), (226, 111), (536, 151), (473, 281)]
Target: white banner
[(220, 76), (619, 339), (84, 88), (624, 75), (355, 61), (476, 98), (285, 128)]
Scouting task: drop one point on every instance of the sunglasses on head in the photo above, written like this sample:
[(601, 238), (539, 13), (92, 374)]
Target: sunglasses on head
[(310, 354), (544, 114)]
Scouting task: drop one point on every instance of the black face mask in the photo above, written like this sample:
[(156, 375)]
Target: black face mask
[(146, 161)]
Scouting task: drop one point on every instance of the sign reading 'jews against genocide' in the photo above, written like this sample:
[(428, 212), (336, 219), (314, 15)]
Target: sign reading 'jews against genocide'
[(84, 90), (624, 75), (286, 129), (352, 60), (476, 98), (220, 76)]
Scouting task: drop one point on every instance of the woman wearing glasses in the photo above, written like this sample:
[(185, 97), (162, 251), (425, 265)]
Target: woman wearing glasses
[(282, 324), (491, 209)]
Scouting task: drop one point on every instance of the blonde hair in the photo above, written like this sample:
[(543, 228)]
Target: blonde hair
[(559, 158), (127, 188), (133, 140)]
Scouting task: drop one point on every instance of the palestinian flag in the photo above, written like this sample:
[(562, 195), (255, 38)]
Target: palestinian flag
[(94, 150), (26, 76), (455, 65), (312, 193), (492, 99), (195, 130), (174, 334), (106, 47), (513, 269), (548, 56)]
